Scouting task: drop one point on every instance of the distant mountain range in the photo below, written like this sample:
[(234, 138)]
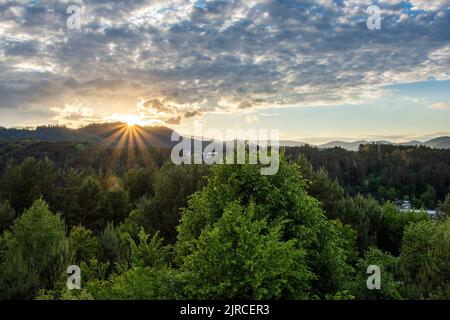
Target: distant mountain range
[(160, 137), (438, 143)]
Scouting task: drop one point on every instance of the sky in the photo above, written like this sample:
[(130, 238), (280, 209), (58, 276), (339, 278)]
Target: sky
[(314, 70)]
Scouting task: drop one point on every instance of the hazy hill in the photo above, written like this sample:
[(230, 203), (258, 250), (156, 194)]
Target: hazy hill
[(290, 143), (441, 143), (438, 143), (160, 137), (353, 146), (95, 133)]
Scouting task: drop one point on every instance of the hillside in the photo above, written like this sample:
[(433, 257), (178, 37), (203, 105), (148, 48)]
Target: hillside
[(160, 137), (438, 143)]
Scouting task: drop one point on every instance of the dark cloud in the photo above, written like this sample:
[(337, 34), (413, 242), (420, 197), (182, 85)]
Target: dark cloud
[(174, 120), (155, 104), (21, 48), (191, 114)]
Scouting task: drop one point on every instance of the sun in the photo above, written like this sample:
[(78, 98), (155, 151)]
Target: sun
[(131, 120)]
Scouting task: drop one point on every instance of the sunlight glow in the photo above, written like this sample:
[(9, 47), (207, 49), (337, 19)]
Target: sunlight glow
[(130, 140), (131, 120)]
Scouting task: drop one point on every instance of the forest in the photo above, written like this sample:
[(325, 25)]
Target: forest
[(141, 227)]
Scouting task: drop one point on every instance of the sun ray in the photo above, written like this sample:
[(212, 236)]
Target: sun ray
[(131, 156), (113, 138), (108, 129), (146, 156), (135, 139), (131, 120), (117, 150), (147, 137)]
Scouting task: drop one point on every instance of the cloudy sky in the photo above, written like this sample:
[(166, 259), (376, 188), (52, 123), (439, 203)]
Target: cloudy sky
[(312, 69)]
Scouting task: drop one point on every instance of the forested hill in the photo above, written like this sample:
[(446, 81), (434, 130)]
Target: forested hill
[(160, 137), (46, 133), (387, 172), (155, 136), (81, 155)]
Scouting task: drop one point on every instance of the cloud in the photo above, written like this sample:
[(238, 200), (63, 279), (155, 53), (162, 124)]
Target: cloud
[(176, 59), (191, 114), (272, 114), (75, 115), (440, 105), (429, 5), (174, 120), (251, 119), (167, 111)]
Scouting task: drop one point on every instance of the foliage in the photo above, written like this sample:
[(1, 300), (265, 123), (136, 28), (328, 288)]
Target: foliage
[(364, 215), (393, 224), (444, 208), (22, 184), (148, 254), (243, 258), (310, 231), (110, 244), (281, 197), (7, 216), (389, 285), (138, 284), (138, 182), (425, 260), (36, 253), (387, 172), (82, 243), (172, 186)]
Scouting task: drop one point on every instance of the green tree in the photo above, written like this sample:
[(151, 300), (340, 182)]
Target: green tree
[(67, 201), (425, 260), (118, 205), (36, 252), (243, 258), (364, 215), (138, 284), (393, 224), (135, 221), (388, 267), (438, 265), (278, 197), (444, 208), (22, 184), (7, 216), (111, 245), (83, 244), (146, 274), (138, 182), (91, 197), (322, 187), (428, 198), (148, 253), (172, 186)]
